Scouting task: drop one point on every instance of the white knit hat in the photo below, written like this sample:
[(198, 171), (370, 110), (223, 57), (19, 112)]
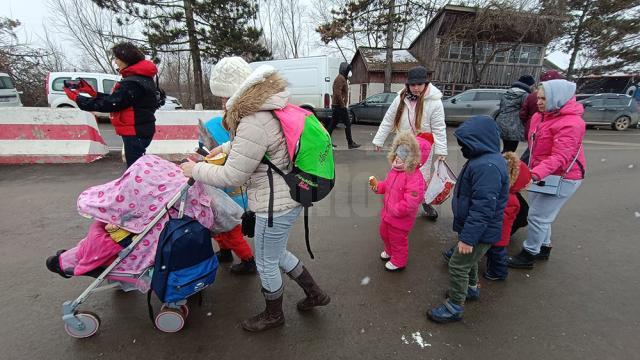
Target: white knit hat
[(227, 76)]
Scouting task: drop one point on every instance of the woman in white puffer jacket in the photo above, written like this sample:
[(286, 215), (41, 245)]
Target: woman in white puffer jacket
[(417, 108)]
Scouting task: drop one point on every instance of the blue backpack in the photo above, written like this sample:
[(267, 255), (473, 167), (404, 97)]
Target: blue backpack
[(185, 260)]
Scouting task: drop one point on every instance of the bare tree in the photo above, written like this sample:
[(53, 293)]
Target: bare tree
[(91, 29), (284, 26), (26, 64)]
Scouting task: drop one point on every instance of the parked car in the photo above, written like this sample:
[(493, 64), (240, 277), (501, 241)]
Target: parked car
[(472, 102), (9, 96), (371, 109), (100, 81), (619, 111), (310, 81), (583, 96)]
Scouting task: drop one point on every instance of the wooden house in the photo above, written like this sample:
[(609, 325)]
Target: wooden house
[(449, 59), (367, 69)]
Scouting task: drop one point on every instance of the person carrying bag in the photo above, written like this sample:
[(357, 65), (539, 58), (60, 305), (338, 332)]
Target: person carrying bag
[(557, 165)]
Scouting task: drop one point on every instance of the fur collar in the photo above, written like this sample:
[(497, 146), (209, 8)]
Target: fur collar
[(406, 138), (264, 89)]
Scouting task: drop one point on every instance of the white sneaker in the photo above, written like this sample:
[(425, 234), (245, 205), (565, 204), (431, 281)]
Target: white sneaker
[(390, 267), (384, 256)]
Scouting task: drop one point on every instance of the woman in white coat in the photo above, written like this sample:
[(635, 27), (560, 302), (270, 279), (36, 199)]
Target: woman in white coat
[(418, 108)]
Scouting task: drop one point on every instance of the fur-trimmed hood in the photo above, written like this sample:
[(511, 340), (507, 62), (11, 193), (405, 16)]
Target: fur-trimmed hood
[(406, 138), (519, 175), (263, 90)]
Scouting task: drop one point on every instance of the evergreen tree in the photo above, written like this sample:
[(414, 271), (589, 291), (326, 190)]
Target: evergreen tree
[(209, 29), (605, 33)]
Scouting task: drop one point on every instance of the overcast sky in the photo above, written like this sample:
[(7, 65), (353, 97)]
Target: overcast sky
[(32, 14)]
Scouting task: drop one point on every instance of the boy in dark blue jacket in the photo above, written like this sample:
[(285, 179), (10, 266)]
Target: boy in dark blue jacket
[(478, 203)]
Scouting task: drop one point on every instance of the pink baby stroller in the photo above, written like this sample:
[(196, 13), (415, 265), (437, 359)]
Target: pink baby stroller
[(139, 202)]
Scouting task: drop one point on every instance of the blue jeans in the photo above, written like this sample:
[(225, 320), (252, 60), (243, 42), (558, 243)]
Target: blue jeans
[(134, 148), (497, 259), (271, 249), (543, 210)]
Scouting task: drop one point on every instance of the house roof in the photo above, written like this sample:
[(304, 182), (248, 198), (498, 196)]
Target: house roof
[(434, 20), (551, 65), (375, 59), (466, 11)]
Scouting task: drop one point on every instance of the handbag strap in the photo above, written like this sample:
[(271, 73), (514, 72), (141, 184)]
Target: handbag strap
[(575, 158)]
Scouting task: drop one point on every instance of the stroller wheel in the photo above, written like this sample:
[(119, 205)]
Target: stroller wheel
[(90, 324), (170, 320), (183, 308)]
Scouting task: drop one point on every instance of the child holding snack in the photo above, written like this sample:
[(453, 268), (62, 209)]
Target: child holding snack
[(403, 190)]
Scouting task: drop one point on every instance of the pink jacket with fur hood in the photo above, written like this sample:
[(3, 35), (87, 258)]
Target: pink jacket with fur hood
[(404, 190), (554, 139)]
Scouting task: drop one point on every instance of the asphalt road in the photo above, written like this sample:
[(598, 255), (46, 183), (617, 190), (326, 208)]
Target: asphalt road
[(581, 304)]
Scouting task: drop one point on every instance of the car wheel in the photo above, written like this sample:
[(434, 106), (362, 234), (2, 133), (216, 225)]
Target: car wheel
[(354, 119), (622, 123), (63, 106)]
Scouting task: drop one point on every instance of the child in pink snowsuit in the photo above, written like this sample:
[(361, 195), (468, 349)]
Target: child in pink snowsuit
[(403, 190)]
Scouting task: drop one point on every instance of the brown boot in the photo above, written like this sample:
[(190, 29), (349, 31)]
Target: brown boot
[(271, 317), (315, 295)]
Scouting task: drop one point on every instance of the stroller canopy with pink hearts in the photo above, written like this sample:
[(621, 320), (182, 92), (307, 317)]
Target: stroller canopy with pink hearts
[(133, 201)]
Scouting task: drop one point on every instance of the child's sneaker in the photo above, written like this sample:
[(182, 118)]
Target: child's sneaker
[(53, 264), (384, 256), (489, 276), (446, 312), (390, 267), (472, 294)]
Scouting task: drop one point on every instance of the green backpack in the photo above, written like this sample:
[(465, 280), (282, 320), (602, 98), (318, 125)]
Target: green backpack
[(311, 152)]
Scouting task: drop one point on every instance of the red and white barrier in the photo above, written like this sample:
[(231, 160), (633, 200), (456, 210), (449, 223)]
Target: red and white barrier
[(44, 135), (177, 132)]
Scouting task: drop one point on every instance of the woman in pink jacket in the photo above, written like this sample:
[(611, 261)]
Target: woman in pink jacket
[(403, 190), (555, 139)]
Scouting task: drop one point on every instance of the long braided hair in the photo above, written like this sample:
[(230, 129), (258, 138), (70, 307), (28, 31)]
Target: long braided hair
[(419, 108)]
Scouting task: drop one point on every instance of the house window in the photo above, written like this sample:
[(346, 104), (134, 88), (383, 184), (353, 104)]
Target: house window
[(454, 50), (520, 55), (534, 55), (363, 91)]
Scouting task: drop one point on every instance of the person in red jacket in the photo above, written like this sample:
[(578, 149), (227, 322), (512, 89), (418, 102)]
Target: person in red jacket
[(497, 256), (131, 105)]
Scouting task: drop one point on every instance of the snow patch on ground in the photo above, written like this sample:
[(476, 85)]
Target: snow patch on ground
[(416, 338)]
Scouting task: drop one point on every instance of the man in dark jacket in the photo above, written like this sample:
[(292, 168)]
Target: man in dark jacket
[(340, 100), (131, 105), (508, 118), (478, 203)]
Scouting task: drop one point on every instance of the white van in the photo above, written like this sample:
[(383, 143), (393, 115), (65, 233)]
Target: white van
[(99, 81), (310, 81), (9, 96)]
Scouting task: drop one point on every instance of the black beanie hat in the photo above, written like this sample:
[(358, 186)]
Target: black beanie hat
[(417, 75), (527, 79)]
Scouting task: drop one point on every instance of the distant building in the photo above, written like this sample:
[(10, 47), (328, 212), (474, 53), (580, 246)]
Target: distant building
[(367, 71)]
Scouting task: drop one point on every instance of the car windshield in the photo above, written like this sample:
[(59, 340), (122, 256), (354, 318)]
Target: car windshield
[(5, 83)]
